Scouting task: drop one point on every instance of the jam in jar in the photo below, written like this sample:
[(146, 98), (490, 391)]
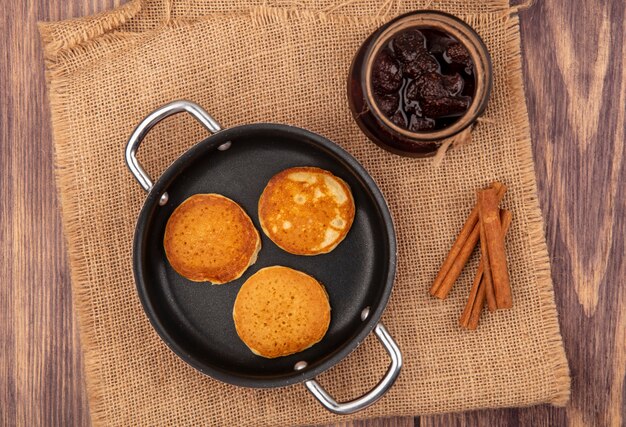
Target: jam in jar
[(421, 78)]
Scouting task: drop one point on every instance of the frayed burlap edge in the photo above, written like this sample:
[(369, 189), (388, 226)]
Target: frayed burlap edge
[(560, 369), (65, 181), (87, 28), (57, 81)]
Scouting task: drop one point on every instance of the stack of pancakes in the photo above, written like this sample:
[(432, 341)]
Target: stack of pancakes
[(278, 311)]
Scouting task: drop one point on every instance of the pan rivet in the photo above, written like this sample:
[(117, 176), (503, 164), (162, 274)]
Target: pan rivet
[(300, 365), (225, 146), (365, 313), (163, 200)]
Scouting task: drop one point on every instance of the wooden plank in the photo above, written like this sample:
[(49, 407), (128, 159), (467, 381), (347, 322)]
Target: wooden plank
[(41, 372), (378, 422)]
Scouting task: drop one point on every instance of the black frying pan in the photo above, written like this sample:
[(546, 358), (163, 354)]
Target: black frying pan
[(195, 319)]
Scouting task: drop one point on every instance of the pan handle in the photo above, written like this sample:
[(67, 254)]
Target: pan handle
[(146, 124), (345, 408)]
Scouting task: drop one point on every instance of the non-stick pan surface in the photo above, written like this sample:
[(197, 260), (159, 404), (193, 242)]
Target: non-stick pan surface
[(195, 319)]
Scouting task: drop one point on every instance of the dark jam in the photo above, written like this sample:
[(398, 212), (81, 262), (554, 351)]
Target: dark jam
[(423, 80)]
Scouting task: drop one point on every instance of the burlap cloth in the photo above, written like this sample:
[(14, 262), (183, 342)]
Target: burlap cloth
[(286, 61)]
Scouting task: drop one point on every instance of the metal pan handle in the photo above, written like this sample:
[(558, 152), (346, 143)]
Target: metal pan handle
[(345, 408), (148, 123)]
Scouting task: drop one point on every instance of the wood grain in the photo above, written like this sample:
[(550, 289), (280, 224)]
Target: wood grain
[(575, 79)]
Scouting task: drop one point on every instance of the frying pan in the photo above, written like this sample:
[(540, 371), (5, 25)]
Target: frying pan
[(195, 319)]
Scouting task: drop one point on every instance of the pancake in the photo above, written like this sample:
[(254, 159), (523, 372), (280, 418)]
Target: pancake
[(281, 311), (306, 210), (209, 238)]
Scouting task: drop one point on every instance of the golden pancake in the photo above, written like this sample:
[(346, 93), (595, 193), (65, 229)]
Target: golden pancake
[(209, 238), (306, 210), (281, 311)]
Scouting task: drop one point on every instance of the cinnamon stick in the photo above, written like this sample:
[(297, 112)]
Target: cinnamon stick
[(477, 309), (472, 299), (495, 254), (458, 263), (484, 258), (461, 250), (476, 300)]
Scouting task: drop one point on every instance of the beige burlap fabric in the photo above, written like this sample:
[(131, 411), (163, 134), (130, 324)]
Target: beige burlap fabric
[(286, 61)]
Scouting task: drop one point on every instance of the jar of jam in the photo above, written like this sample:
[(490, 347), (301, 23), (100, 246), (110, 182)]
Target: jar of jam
[(421, 78)]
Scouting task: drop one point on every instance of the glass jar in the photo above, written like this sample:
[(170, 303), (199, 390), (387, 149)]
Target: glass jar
[(362, 96)]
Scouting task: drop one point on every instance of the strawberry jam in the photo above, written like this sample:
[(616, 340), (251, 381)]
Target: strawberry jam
[(423, 79)]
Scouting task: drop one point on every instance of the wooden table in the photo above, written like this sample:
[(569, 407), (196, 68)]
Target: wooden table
[(575, 75)]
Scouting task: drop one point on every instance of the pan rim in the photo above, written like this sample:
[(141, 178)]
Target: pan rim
[(211, 143)]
